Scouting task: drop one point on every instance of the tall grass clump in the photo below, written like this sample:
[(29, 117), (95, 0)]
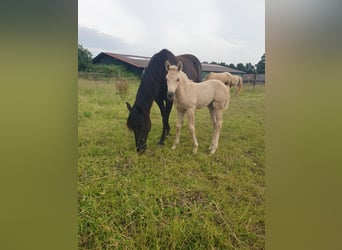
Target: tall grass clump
[(122, 87)]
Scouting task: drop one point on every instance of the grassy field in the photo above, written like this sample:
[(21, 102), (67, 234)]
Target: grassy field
[(169, 199)]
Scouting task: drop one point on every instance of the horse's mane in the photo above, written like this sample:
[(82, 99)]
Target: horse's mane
[(192, 66), (153, 78), (155, 69)]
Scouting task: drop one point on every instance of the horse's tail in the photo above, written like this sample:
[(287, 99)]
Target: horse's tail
[(198, 66), (198, 69), (239, 85)]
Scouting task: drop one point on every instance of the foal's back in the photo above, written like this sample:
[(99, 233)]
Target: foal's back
[(208, 92)]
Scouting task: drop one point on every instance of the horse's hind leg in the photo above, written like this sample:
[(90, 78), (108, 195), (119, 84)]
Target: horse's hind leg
[(217, 130), (213, 119)]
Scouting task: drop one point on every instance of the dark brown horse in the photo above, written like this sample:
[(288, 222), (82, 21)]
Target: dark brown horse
[(153, 87)]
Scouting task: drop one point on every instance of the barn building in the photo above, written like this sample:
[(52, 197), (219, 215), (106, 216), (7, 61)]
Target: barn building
[(137, 64)]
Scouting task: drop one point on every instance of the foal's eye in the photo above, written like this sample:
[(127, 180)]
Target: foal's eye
[(177, 79)]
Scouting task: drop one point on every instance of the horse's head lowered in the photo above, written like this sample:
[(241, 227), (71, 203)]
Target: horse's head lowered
[(173, 78), (139, 122)]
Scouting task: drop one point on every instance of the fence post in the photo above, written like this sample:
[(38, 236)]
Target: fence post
[(255, 73)]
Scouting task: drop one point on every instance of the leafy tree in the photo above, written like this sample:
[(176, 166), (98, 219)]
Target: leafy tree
[(232, 66), (249, 68), (240, 66), (261, 65), (84, 59)]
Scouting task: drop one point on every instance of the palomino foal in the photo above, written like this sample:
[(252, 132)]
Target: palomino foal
[(188, 96)]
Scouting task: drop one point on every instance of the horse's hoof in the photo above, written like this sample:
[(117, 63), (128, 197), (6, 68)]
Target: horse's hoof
[(212, 152)]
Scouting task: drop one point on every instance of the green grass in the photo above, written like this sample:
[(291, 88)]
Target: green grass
[(169, 199)]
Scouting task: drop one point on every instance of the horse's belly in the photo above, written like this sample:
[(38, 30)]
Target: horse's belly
[(202, 105), (203, 102)]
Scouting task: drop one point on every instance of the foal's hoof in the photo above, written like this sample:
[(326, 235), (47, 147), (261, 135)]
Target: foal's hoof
[(212, 152), (194, 151), (173, 147)]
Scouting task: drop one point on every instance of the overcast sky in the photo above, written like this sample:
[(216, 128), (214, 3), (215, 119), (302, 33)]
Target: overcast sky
[(230, 31)]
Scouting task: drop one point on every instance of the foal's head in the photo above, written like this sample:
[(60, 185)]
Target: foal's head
[(139, 122), (173, 78)]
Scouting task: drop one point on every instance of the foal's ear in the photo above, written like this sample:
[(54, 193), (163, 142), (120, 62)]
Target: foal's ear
[(179, 66), (129, 107), (167, 65)]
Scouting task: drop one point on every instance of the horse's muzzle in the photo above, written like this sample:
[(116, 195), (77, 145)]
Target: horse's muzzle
[(170, 95), (141, 147)]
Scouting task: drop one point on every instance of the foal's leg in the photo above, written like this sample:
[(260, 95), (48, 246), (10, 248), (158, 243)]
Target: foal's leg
[(213, 119), (217, 129), (179, 125), (191, 118)]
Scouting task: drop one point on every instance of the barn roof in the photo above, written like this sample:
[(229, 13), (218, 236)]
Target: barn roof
[(142, 62), (219, 68), (137, 61)]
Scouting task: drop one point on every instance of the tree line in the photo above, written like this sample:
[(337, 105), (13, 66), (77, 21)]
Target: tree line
[(85, 64), (249, 68)]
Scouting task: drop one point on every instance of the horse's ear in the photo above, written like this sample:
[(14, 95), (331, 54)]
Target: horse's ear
[(179, 66), (167, 65), (129, 107)]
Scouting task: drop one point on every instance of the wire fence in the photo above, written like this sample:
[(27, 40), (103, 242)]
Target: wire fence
[(93, 76), (104, 76)]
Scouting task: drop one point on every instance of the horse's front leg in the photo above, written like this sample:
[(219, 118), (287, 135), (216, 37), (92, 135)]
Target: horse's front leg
[(166, 116), (191, 118), (179, 125), (165, 113)]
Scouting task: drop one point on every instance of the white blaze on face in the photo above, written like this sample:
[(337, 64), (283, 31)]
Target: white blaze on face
[(172, 79)]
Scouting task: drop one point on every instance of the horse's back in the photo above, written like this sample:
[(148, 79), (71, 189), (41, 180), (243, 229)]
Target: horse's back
[(191, 66), (225, 77), (215, 85), (212, 90)]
